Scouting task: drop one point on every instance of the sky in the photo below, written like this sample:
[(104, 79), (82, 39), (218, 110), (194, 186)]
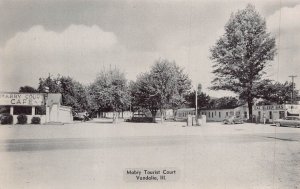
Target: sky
[(81, 38)]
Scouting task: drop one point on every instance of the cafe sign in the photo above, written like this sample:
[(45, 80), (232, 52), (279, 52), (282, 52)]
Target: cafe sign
[(21, 99)]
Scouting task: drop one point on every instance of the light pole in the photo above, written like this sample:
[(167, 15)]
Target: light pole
[(196, 103)]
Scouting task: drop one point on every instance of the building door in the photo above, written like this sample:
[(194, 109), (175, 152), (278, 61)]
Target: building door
[(54, 113), (270, 116), (281, 114)]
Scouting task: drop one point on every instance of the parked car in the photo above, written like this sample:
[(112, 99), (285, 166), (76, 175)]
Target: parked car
[(80, 117), (233, 120), (289, 121)]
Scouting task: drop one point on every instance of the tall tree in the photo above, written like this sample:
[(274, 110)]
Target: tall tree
[(110, 92), (164, 87), (241, 55), (183, 86), (144, 94)]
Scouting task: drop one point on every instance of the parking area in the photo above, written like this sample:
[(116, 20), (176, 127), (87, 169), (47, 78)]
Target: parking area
[(95, 154)]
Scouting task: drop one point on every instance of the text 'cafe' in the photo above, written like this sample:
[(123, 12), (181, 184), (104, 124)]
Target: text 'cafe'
[(46, 106)]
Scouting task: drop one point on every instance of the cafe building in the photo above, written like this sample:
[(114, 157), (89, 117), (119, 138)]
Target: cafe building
[(46, 106)]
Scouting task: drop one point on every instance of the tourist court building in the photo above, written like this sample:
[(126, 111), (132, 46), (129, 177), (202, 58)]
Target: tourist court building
[(260, 113), (46, 106), (220, 114), (269, 113)]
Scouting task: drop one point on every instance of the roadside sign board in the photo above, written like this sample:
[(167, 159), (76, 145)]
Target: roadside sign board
[(21, 99)]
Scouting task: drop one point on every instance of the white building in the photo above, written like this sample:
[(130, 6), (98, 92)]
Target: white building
[(221, 114), (45, 106), (182, 113), (124, 114), (272, 112)]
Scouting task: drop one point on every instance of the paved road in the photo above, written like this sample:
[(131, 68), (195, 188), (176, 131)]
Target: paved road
[(94, 155)]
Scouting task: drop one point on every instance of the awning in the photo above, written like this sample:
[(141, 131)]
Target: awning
[(292, 114)]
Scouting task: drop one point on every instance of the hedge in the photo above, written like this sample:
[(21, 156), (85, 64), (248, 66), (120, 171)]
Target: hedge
[(7, 119), (22, 119), (35, 120)]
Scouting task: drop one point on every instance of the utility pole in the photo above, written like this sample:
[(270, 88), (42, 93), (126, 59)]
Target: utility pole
[(292, 76)]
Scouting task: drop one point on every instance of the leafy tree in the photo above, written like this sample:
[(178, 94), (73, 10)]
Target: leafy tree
[(144, 94), (49, 84), (109, 92), (183, 86), (203, 100), (73, 93), (224, 103), (241, 55), (274, 92), (28, 89), (164, 87)]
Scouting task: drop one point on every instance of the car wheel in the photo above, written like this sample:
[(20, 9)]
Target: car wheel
[(277, 124)]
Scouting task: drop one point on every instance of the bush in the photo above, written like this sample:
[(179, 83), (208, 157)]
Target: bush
[(35, 120), (6, 119), (22, 119)]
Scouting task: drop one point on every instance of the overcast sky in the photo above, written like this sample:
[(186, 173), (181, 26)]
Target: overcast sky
[(79, 38)]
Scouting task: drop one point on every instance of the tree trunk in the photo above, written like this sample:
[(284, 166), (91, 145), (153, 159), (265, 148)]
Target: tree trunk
[(153, 113), (115, 117), (250, 105), (161, 116), (174, 113)]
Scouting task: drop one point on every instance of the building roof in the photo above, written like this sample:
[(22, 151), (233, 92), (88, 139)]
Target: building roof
[(186, 109)]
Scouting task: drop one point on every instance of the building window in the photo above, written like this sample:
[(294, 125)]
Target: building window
[(208, 114), (40, 110), (226, 113), (270, 114), (4, 109), (219, 114), (212, 114), (245, 114), (22, 110)]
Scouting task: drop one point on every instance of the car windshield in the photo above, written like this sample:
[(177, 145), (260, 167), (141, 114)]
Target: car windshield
[(291, 118)]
